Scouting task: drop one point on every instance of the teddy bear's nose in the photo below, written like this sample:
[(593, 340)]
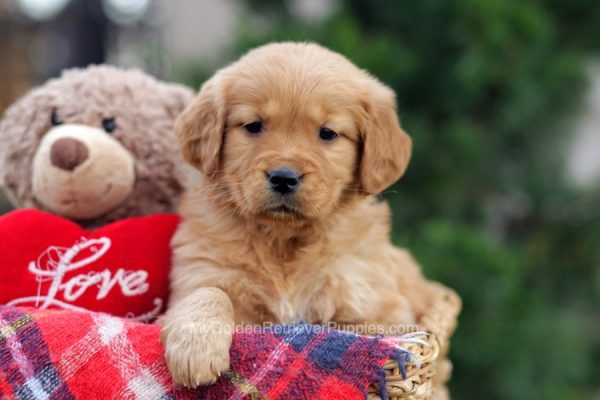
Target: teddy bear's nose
[(68, 153)]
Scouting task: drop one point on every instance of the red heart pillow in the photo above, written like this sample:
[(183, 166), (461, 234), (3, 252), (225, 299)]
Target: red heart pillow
[(47, 261)]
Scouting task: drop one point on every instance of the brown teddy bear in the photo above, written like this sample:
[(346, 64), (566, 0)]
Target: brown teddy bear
[(95, 145)]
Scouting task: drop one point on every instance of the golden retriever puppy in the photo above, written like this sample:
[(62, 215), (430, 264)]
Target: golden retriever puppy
[(293, 141)]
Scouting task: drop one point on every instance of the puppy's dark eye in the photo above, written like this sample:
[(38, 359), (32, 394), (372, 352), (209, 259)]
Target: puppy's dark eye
[(327, 134), (254, 128), (109, 125), (55, 119)]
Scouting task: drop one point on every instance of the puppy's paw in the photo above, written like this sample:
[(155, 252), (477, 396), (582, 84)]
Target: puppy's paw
[(196, 354)]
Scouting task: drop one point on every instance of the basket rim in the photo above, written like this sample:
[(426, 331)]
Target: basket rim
[(439, 322)]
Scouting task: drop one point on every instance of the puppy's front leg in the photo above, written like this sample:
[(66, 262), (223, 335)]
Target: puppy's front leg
[(197, 334)]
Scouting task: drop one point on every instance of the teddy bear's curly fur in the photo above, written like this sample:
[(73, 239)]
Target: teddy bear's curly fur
[(95, 145)]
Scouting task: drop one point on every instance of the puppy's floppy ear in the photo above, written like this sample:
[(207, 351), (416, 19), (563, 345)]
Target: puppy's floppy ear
[(386, 147), (200, 128)]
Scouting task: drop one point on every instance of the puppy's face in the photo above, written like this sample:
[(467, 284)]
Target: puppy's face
[(290, 150), (293, 131)]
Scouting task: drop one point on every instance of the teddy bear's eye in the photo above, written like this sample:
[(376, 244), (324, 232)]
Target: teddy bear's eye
[(55, 119), (109, 125)]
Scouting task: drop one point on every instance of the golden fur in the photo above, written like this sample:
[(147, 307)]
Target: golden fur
[(329, 257)]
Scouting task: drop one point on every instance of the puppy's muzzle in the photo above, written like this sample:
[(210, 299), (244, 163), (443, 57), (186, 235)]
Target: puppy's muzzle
[(284, 180)]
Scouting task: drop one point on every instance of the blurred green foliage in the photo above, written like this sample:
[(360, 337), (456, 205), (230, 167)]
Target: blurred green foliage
[(489, 90)]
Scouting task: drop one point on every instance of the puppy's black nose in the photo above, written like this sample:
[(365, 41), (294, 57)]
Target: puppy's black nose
[(284, 180)]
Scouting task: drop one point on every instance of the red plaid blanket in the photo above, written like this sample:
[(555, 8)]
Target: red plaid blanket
[(66, 354)]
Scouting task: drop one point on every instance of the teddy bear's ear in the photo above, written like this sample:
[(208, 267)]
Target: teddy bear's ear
[(21, 128), (177, 98), (200, 128)]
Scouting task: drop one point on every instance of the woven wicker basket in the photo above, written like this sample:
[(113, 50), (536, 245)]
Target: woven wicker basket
[(428, 381)]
